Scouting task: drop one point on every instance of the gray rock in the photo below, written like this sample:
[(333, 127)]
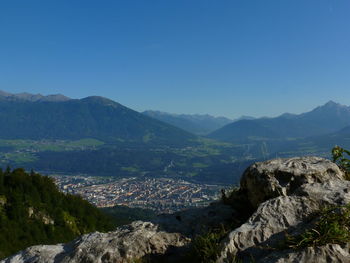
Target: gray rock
[(266, 227), (195, 221), (333, 192), (324, 254), (126, 243), (265, 230), (265, 180)]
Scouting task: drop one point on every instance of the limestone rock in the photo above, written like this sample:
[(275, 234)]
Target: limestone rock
[(126, 243), (324, 254), (195, 221), (266, 227), (265, 230), (334, 192), (265, 180)]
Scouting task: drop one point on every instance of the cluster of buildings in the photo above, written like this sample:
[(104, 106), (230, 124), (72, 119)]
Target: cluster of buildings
[(163, 195)]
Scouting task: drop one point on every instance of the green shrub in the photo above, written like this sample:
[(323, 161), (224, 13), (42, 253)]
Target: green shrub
[(343, 163)]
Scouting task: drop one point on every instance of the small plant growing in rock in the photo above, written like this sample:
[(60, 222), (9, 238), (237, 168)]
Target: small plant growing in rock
[(331, 227), (206, 247), (339, 158)]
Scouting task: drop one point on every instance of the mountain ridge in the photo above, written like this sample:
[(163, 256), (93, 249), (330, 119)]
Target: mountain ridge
[(324, 119), (32, 97), (200, 124), (91, 117)]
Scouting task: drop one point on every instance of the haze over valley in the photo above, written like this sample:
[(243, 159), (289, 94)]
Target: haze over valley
[(98, 137)]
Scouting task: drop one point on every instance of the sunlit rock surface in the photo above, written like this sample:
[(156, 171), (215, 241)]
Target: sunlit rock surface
[(265, 180)]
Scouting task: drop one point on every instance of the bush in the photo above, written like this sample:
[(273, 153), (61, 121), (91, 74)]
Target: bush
[(341, 161)]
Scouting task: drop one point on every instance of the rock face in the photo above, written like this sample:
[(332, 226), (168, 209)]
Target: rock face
[(196, 221), (323, 254), (276, 177), (127, 243), (266, 227), (302, 187), (287, 194)]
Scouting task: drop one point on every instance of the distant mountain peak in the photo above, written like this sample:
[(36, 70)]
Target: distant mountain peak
[(331, 106), (332, 103), (324, 119), (244, 117)]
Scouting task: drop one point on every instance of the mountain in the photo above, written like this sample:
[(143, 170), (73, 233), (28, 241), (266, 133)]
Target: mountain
[(325, 119), (196, 123), (244, 117), (25, 116), (31, 97), (319, 144)]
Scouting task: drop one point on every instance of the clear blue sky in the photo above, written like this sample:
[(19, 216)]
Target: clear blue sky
[(222, 57)]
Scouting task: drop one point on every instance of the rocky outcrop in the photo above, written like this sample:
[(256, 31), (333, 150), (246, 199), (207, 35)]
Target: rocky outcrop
[(127, 243), (287, 194), (302, 186), (265, 180), (266, 229)]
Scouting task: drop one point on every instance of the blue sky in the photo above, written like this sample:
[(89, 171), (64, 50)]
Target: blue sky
[(224, 57)]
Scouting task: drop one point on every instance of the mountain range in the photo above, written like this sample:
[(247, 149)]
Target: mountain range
[(34, 116), (98, 136), (199, 124), (31, 97), (26, 116), (322, 120)]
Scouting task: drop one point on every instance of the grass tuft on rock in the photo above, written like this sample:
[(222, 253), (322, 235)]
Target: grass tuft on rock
[(331, 227), (206, 248)]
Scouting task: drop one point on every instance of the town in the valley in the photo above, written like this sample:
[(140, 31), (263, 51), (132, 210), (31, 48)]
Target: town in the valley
[(163, 195)]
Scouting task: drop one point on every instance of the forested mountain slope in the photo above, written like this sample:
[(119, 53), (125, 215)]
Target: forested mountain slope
[(33, 211), (91, 117)]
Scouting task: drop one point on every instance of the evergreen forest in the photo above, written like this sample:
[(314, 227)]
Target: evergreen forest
[(33, 211)]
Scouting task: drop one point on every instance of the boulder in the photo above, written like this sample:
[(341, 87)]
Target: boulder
[(264, 233), (281, 177), (267, 227), (127, 243)]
